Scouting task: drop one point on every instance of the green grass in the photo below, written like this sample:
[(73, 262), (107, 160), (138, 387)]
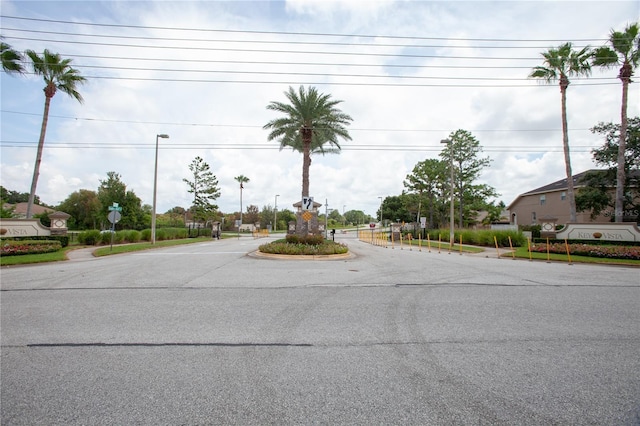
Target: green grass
[(443, 246), (523, 253), (27, 259), (61, 255), (128, 248)]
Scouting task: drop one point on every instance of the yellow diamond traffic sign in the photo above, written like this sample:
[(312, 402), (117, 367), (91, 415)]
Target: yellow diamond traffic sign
[(306, 215)]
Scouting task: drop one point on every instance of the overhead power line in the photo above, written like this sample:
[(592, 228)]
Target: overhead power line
[(274, 146), (372, 129), (211, 30)]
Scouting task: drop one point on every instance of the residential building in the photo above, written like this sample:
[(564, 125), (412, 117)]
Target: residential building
[(550, 202)]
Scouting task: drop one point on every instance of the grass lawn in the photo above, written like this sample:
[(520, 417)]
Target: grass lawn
[(424, 245), (99, 251)]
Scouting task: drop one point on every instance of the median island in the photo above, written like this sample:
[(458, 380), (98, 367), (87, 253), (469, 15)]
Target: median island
[(309, 245)]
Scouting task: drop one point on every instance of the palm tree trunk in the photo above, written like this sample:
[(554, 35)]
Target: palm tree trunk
[(620, 175), (306, 160), (36, 167), (567, 156)]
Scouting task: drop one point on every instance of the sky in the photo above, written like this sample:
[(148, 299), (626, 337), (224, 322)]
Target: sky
[(409, 73)]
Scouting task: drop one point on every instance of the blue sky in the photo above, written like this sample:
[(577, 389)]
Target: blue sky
[(408, 72)]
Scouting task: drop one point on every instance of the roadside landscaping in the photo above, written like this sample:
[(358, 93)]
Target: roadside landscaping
[(577, 255), (307, 245)]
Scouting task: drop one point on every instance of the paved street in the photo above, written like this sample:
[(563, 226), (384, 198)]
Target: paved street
[(211, 334)]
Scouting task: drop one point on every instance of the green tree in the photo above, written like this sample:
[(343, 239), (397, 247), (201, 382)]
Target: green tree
[(463, 151), (311, 120), (114, 190), (429, 180), (595, 194), (253, 214), (394, 209), (560, 64), (11, 59), (14, 197), (242, 179), (84, 207), (204, 188), (58, 75), (625, 52), (6, 212), (357, 217)]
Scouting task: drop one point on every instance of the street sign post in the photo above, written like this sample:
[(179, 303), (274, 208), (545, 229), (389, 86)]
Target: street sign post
[(114, 217)]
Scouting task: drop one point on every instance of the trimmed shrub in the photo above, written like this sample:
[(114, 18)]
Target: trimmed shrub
[(133, 236), (15, 248), (145, 235), (90, 238), (305, 239)]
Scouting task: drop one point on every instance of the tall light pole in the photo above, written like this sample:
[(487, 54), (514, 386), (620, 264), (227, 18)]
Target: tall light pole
[(155, 185), (451, 222), (275, 213), (380, 211)]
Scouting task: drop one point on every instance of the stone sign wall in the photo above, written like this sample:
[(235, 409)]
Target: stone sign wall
[(23, 228), (615, 232)]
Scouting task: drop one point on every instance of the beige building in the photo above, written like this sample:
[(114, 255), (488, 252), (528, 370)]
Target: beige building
[(550, 202)]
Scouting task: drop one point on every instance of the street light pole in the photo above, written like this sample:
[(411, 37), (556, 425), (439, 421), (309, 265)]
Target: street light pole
[(155, 185), (380, 211), (451, 221), (275, 213)]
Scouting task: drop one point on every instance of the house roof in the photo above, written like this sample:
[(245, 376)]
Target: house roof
[(561, 184), (558, 185), (20, 209)]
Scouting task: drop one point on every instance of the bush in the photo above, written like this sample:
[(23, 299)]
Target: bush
[(90, 238), (14, 248), (145, 235), (483, 237), (133, 236), (305, 239), (298, 248)]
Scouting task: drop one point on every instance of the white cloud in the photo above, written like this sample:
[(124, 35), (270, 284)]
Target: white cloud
[(114, 130)]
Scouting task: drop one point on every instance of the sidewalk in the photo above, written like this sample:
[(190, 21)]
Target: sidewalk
[(81, 254)]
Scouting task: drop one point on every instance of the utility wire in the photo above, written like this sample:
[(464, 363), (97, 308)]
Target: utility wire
[(164, 123), (296, 34)]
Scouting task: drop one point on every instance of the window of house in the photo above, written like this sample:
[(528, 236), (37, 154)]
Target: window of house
[(563, 195), (533, 217), (543, 199)]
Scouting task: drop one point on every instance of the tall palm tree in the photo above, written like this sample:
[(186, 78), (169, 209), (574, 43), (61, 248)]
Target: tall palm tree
[(624, 51), (58, 75), (311, 120), (559, 65), (241, 179), (11, 59)]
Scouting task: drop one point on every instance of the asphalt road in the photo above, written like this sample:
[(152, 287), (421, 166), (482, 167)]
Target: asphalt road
[(209, 334)]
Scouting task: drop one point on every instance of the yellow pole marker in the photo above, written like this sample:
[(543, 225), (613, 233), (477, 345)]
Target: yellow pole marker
[(513, 253), (420, 241), (529, 246), (548, 255), (439, 242), (460, 244), (495, 240), (566, 244)]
